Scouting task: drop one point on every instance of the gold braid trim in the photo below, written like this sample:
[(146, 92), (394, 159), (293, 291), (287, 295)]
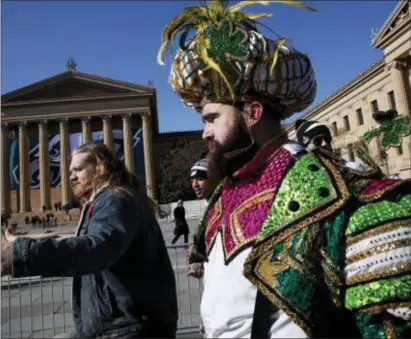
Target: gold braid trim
[(391, 270), (331, 275), (328, 260), (389, 330), (391, 226), (381, 308), (277, 300)]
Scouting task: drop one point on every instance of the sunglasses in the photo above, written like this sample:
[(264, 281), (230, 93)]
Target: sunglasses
[(318, 141)]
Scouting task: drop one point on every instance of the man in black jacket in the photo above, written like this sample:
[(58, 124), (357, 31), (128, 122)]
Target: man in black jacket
[(181, 223)]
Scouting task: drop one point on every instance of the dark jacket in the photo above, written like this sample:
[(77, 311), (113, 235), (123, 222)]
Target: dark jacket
[(180, 219), (123, 281)]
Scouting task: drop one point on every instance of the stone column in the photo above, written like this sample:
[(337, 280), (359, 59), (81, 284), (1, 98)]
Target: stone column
[(373, 146), (64, 163), (44, 165), (86, 130), (148, 154), (24, 168), (107, 131), (5, 170), (128, 143), (383, 101), (402, 99), (399, 79)]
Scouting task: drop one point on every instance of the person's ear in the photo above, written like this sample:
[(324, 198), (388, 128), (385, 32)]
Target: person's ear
[(253, 113)]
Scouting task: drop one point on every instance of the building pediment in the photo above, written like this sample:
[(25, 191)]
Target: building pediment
[(72, 85), (399, 20)]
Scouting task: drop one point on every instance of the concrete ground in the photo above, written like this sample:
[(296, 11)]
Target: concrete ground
[(41, 308)]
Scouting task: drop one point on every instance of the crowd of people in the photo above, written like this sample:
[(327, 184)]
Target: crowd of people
[(295, 241)]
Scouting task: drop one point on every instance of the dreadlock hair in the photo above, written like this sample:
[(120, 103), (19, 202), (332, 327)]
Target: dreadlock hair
[(111, 172)]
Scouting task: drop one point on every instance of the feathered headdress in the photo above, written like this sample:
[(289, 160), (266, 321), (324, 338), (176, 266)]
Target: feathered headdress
[(228, 60)]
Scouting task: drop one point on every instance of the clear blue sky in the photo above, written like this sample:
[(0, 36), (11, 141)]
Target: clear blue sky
[(121, 39)]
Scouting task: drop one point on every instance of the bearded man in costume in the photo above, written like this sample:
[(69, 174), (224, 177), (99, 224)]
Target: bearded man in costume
[(293, 244)]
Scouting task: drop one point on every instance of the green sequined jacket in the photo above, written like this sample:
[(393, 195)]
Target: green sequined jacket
[(340, 266)]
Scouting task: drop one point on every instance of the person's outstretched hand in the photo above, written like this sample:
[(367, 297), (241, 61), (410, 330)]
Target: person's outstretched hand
[(6, 247)]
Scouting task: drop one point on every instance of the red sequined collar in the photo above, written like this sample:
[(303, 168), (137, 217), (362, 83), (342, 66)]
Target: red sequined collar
[(262, 156)]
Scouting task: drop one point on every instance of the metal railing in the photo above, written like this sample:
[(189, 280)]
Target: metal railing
[(38, 307)]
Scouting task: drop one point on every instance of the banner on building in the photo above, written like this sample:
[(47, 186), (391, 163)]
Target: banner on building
[(54, 151)]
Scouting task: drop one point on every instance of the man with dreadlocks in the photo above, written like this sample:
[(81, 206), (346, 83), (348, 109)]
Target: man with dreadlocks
[(293, 244)]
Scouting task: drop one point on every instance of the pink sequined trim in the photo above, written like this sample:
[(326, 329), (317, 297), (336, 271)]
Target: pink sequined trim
[(377, 185), (243, 207)]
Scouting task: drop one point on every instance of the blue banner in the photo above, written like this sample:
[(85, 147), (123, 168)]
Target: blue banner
[(54, 151)]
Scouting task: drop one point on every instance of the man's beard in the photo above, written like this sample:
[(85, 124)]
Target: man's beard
[(82, 192), (224, 160)]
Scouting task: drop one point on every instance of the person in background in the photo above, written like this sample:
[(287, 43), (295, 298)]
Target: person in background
[(181, 227), (319, 135), (199, 179), (123, 280), (199, 183)]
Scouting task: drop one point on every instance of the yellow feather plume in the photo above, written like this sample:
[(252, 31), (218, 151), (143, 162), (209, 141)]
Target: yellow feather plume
[(197, 18)]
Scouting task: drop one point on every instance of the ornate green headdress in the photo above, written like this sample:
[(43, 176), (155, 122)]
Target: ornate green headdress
[(228, 60)]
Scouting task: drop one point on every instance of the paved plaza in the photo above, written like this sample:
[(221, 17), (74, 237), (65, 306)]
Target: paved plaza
[(41, 308)]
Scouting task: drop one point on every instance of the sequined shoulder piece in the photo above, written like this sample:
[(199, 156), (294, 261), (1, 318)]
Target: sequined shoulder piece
[(312, 190), (310, 187)]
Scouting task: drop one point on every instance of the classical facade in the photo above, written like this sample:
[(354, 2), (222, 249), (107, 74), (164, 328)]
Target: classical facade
[(385, 85), (61, 105)]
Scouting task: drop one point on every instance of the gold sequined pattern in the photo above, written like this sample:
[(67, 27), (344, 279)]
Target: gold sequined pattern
[(389, 330), (215, 217), (331, 275), (311, 238), (267, 270), (281, 304), (328, 260), (378, 250), (303, 269), (377, 274), (391, 226), (381, 308), (300, 242)]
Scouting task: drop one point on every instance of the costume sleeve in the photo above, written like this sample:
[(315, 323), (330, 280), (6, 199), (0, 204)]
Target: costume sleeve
[(377, 268)]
